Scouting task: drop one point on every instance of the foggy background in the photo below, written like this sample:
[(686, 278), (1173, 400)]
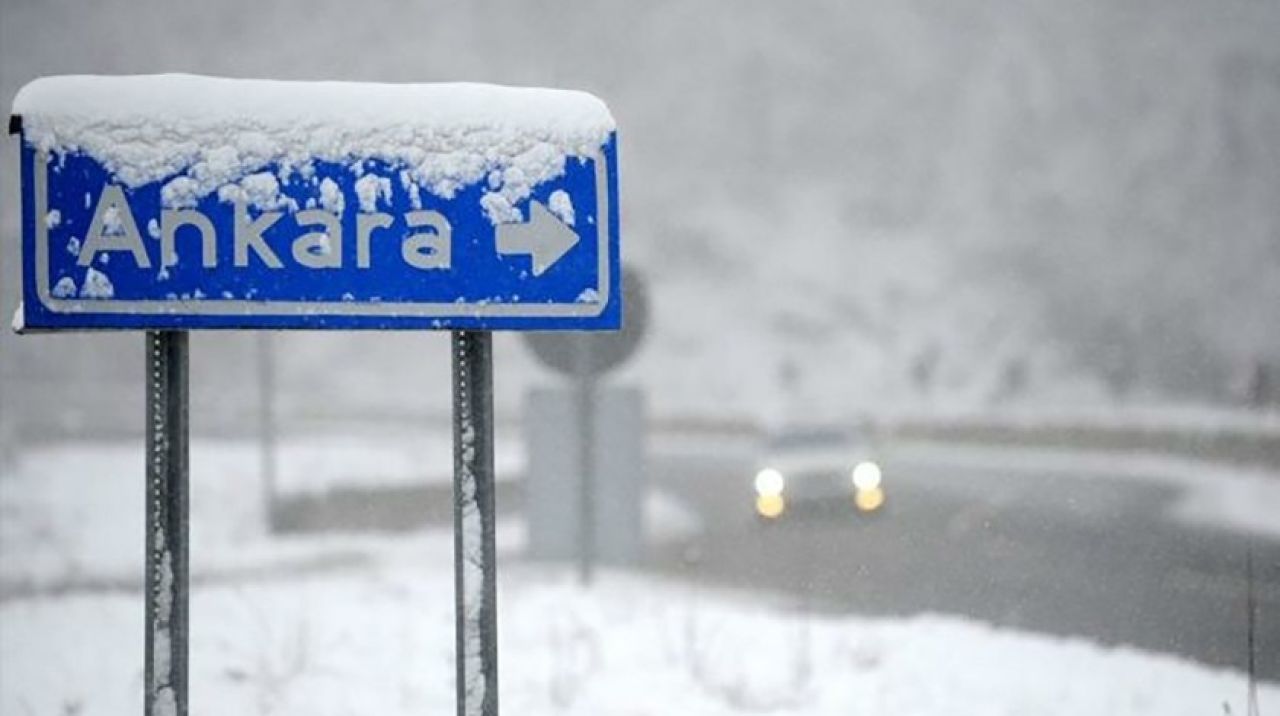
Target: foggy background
[(847, 206), (1034, 245)]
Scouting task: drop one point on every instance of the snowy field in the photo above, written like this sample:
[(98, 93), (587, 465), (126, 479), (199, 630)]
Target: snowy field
[(359, 624), (378, 641), (73, 514)]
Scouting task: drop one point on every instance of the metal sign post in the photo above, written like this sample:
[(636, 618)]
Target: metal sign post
[(475, 554), (168, 428), (584, 357)]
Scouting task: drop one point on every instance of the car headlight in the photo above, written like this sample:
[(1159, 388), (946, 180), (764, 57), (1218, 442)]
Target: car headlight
[(770, 506), (869, 500), (866, 475), (769, 482)]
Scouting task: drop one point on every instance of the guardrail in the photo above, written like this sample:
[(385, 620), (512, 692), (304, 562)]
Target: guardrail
[(1235, 437), (1238, 448)]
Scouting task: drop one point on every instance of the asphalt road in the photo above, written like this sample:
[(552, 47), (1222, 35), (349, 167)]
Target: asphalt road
[(1060, 554)]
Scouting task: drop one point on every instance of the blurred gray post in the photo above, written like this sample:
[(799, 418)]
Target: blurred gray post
[(474, 549), (168, 430), (267, 424), (553, 493), (585, 394)]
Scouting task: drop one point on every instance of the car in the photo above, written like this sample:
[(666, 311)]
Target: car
[(818, 465)]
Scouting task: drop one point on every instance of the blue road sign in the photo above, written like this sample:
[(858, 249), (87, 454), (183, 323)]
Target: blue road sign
[(334, 248)]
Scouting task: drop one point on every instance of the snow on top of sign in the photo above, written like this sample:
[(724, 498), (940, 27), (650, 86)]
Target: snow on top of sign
[(201, 133)]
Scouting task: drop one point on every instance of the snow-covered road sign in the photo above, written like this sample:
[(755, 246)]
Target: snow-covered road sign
[(190, 202)]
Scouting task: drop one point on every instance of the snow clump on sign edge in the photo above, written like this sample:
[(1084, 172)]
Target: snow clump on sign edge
[(146, 128)]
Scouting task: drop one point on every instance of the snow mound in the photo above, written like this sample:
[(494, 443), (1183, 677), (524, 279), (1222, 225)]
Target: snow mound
[(146, 128), (380, 641)]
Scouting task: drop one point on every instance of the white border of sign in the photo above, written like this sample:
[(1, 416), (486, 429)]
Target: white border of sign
[(241, 307)]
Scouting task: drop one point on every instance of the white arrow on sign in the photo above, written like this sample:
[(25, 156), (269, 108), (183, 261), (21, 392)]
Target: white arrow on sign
[(545, 238)]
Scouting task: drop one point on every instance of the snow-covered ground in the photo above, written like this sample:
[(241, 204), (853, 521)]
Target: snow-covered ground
[(72, 513), (380, 641), (350, 623)]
